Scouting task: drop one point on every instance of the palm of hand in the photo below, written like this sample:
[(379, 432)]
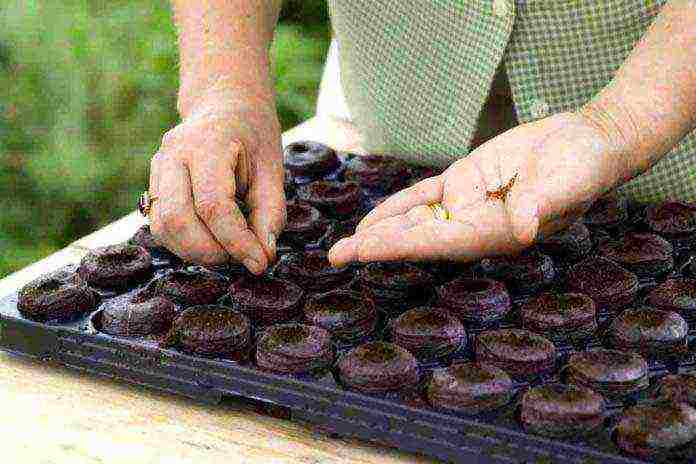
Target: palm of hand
[(554, 169)]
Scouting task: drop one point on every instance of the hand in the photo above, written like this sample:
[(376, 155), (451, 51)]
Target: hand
[(226, 148), (554, 168)]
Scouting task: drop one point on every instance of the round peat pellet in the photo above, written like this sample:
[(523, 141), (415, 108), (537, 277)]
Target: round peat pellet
[(612, 373), (655, 430), (192, 286), (143, 237), (395, 286), (333, 198), (568, 317), (337, 231), (428, 333), (305, 224), (57, 296), (526, 272), (646, 255), (347, 315), (312, 271), (116, 266), (677, 294), (294, 349), (266, 300), (211, 330), (674, 220), (607, 212), (519, 352), (143, 313), (649, 332), (558, 410), (469, 388), (678, 388), (570, 244), (610, 286), (477, 301), (311, 160), (378, 172), (378, 367)]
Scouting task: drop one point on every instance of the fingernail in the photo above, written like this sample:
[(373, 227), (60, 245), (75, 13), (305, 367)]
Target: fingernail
[(272, 242), (253, 265)]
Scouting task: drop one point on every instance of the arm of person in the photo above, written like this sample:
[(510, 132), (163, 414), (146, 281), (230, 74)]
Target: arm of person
[(228, 142), (650, 105), (554, 167)]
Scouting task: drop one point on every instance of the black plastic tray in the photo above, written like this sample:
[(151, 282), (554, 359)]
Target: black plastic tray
[(447, 437)]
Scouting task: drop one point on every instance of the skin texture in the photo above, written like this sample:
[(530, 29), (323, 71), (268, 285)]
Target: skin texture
[(559, 164), (227, 144)]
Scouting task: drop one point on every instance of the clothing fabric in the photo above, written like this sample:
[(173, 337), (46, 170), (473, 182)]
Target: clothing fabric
[(416, 74)]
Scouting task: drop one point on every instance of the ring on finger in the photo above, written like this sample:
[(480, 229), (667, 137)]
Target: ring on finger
[(440, 212), (145, 203)]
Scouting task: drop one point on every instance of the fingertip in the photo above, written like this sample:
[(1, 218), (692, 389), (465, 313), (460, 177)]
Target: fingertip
[(343, 252)]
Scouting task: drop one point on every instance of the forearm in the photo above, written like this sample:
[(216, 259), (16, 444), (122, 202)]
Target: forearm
[(223, 48), (651, 103)]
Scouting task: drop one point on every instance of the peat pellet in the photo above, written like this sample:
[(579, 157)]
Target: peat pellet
[(558, 410), (428, 333), (211, 330), (306, 159), (192, 286), (294, 349), (116, 266), (477, 301), (519, 352), (57, 296), (614, 374), (347, 315), (266, 300), (611, 286), (312, 271), (469, 388), (650, 332), (378, 367), (567, 317), (676, 294), (143, 313), (646, 255), (654, 430), (333, 198)]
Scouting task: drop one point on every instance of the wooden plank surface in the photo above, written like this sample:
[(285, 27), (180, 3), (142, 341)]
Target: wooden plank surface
[(54, 415)]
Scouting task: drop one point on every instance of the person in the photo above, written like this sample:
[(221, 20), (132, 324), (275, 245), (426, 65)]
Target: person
[(547, 104)]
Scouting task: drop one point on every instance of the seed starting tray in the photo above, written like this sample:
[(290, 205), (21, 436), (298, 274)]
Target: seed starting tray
[(492, 437)]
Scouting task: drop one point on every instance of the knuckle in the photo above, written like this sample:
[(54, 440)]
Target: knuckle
[(169, 138), (207, 207)]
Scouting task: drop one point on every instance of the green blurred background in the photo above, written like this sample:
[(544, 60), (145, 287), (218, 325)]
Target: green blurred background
[(87, 88)]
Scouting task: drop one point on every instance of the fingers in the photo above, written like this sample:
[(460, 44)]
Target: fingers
[(213, 181), (173, 220), (266, 199), (432, 239), (424, 192)]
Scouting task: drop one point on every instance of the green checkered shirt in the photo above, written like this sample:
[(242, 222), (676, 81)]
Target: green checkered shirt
[(416, 73)]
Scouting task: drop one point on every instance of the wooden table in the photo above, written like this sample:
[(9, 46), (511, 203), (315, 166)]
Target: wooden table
[(54, 415)]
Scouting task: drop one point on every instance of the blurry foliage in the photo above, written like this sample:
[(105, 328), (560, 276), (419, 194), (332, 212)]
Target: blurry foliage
[(87, 87)]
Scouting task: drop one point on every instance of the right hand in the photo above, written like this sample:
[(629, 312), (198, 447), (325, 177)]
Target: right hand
[(225, 148)]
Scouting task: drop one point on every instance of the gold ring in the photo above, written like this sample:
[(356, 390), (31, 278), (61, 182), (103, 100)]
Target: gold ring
[(145, 202), (440, 213)]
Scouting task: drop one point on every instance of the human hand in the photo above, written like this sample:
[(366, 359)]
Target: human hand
[(553, 169), (228, 147)]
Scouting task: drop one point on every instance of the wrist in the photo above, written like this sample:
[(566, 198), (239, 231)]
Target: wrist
[(224, 92), (618, 128)]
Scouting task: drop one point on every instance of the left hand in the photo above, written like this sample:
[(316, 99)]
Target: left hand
[(560, 164)]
